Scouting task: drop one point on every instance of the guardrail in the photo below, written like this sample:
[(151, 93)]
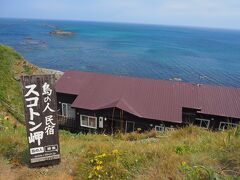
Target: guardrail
[(18, 115)]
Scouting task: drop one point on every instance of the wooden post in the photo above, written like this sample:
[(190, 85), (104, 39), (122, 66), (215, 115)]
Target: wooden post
[(112, 119), (121, 119)]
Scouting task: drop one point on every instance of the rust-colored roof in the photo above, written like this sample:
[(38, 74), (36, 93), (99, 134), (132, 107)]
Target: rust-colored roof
[(148, 98)]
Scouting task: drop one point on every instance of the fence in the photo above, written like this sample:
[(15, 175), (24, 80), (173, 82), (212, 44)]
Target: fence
[(66, 122), (19, 116)]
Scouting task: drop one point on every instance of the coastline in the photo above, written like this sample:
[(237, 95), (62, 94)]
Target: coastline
[(30, 69)]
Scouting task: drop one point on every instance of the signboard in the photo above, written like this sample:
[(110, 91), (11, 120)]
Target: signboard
[(41, 119)]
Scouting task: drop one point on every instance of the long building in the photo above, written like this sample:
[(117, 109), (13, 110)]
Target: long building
[(94, 102)]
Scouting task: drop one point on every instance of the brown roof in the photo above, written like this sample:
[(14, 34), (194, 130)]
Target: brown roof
[(148, 98)]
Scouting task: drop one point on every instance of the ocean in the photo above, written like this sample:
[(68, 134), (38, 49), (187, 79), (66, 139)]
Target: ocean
[(197, 55)]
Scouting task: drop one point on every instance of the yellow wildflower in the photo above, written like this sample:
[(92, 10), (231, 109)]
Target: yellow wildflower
[(115, 151), (184, 163), (99, 162), (99, 167), (103, 155)]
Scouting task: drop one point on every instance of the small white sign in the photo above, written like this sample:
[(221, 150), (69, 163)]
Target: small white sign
[(51, 148), (37, 150)]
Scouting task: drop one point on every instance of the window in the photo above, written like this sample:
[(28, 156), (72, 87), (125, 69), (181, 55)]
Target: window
[(88, 121), (204, 123), (92, 122), (160, 128), (84, 121), (226, 125), (68, 111), (64, 109), (171, 128), (129, 126)]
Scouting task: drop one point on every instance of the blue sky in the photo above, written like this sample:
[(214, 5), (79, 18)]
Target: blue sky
[(205, 13)]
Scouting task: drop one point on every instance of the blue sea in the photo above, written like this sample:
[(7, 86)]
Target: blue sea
[(195, 55)]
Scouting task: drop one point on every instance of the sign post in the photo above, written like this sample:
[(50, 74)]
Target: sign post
[(41, 119)]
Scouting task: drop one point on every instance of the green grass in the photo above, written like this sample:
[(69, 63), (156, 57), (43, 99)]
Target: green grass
[(187, 153), (12, 65)]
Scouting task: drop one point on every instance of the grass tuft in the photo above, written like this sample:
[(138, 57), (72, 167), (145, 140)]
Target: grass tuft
[(171, 155)]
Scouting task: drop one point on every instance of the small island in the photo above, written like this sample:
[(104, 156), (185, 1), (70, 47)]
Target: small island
[(61, 33)]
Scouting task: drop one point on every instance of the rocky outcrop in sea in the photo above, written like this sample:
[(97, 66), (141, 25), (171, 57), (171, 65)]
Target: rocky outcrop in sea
[(61, 33)]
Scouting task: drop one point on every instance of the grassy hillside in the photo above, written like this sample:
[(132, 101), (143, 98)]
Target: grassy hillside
[(190, 153), (12, 65), (187, 153)]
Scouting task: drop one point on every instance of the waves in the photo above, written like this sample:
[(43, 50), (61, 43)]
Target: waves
[(160, 52)]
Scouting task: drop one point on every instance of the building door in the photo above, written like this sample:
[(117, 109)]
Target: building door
[(100, 124), (67, 111), (129, 127)]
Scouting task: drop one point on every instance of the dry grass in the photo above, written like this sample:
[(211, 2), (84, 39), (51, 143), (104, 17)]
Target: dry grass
[(188, 153)]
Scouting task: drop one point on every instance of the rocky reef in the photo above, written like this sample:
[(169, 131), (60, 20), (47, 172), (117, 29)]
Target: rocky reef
[(61, 33)]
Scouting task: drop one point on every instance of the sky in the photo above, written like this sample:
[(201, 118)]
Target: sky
[(200, 13)]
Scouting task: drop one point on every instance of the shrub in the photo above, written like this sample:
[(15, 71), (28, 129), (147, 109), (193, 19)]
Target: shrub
[(136, 135), (181, 149), (198, 172), (107, 166)]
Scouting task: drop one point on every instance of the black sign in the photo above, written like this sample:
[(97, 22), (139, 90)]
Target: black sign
[(41, 119)]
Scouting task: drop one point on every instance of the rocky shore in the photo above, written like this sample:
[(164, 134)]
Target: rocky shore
[(57, 73), (23, 67)]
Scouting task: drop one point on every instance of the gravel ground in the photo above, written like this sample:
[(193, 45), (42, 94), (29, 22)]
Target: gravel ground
[(57, 73)]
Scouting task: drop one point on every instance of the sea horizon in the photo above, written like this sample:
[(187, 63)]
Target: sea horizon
[(190, 54), (129, 23)]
